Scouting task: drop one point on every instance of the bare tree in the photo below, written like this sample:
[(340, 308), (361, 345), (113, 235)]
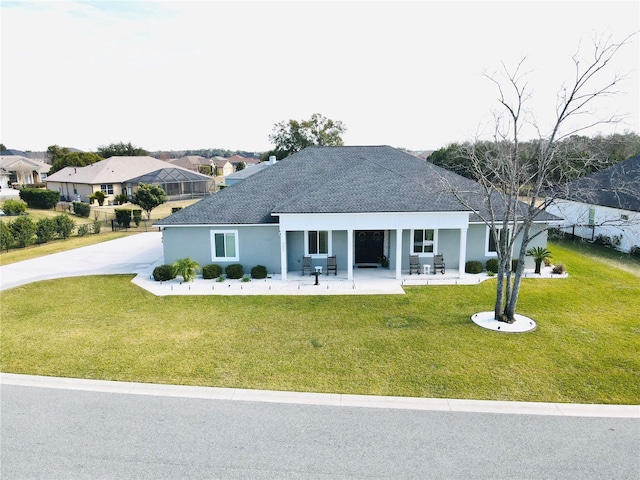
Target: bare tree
[(517, 184)]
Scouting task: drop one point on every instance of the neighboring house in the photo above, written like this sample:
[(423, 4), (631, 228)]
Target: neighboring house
[(194, 163), (115, 176), (20, 170), (382, 207), (245, 173), (178, 183), (222, 166), (248, 161), (605, 203)]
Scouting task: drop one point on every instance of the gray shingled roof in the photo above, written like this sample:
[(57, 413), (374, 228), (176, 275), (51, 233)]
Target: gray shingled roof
[(617, 187), (332, 180)]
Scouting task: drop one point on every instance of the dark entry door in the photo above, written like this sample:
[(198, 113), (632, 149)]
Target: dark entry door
[(369, 246)]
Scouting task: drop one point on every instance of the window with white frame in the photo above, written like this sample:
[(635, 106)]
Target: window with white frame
[(317, 242), (424, 241), (224, 245), (107, 188), (492, 248)]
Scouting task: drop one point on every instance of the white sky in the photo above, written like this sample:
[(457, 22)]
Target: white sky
[(212, 74)]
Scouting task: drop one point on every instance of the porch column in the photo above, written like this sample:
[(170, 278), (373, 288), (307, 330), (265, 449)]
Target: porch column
[(398, 254), (350, 254), (463, 252), (283, 254)]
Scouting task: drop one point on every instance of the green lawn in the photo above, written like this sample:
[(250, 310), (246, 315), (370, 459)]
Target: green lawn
[(419, 344)]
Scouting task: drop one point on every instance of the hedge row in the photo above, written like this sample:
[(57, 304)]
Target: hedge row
[(125, 215), (39, 198), (475, 266), (82, 209), (212, 271), (23, 231)]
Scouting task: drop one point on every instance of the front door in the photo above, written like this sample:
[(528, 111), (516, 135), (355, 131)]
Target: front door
[(369, 246)]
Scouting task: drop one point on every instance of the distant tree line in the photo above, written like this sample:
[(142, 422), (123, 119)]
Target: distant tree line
[(584, 155), (203, 152), (61, 157)]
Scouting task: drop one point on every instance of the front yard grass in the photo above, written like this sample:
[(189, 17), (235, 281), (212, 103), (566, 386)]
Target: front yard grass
[(420, 344)]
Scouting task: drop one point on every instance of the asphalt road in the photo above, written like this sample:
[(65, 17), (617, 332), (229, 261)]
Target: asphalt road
[(52, 434)]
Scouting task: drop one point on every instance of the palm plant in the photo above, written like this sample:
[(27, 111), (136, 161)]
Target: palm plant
[(539, 254), (186, 268)]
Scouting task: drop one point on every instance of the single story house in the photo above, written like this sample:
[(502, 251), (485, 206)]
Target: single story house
[(251, 169), (118, 175), (384, 206), (605, 203), (20, 170), (194, 163), (236, 159), (222, 167)]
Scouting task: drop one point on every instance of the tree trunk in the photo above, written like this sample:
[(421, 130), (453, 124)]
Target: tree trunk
[(538, 265), (499, 293)]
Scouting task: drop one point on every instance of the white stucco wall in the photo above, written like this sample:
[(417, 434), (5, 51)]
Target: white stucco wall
[(606, 221)]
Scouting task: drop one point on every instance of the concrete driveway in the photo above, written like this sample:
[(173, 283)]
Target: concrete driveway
[(131, 254)]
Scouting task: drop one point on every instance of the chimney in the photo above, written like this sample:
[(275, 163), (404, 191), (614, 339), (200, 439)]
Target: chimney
[(272, 160)]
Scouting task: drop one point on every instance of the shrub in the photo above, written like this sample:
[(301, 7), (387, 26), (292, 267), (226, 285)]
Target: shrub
[(558, 269), (82, 209), (234, 271), (45, 229), (6, 239), (121, 199), (259, 271), (22, 231), (64, 225), (635, 251), (137, 216), (14, 207), (123, 217), (163, 273), (186, 268), (99, 196), (96, 225), (492, 265), (607, 241), (245, 279), (539, 254), (83, 230), (473, 266), (39, 198), (212, 270)]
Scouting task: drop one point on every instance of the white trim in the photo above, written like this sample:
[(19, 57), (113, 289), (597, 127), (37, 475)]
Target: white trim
[(235, 258), (329, 244), (423, 254)]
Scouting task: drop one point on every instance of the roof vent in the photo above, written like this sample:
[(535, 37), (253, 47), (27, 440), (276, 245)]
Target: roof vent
[(272, 160)]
